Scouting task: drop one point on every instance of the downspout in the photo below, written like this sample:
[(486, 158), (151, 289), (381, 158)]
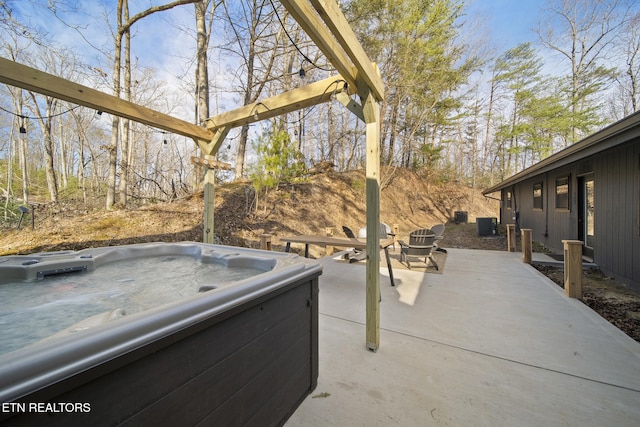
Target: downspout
[(516, 213), (546, 211), (501, 203)]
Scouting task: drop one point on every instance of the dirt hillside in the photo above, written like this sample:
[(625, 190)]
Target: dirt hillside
[(329, 199)]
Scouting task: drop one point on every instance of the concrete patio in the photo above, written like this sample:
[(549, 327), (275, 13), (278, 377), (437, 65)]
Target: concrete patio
[(490, 342)]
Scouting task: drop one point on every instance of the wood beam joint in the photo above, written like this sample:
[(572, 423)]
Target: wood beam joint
[(210, 162)]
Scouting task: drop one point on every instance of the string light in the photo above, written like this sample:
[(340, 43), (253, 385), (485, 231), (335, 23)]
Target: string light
[(256, 117), (23, 129)]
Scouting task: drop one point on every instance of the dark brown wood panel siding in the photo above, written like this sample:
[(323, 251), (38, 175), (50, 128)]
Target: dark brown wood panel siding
[(617, 186), (550, 225), (531, 218), (560, 223)]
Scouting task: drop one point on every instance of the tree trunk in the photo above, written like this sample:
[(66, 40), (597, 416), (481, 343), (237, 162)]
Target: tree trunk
[(45, 123), (202, 73), (124, 26), (126, 123), (115, 120), (64, 152)]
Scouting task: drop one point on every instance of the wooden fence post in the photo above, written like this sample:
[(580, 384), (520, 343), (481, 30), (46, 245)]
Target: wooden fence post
[(511, 237), (265, 242), (526, 245), (573, 268)]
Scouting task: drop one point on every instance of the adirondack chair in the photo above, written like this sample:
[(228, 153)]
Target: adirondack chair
[(355, 254), (438, 230), (420, 244)]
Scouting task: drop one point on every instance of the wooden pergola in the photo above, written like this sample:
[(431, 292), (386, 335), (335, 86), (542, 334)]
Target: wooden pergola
[(327, 27)]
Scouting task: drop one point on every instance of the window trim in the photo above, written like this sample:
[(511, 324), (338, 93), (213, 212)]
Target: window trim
[(567, 179), (536, 186)]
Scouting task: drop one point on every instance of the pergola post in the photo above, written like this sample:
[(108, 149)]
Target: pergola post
[(208, 234), (371, 110), (209, 163)]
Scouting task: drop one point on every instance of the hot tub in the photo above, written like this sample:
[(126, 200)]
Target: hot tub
[(230, 339)]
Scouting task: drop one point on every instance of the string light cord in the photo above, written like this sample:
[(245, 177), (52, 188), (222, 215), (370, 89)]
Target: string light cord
[(305, 57), (307, 113), (22, 116)]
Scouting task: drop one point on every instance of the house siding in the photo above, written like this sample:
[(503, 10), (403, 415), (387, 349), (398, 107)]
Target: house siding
[(616, 174), (617, 191)]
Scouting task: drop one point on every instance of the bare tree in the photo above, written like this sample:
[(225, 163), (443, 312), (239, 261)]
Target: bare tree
[(204, 13), (123, 33), (631, 81), (47, 109), (583, 32), (258, 48)]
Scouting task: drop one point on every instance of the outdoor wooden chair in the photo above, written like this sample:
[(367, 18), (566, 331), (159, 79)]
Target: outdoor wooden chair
[(420, 244), (438, 230), (356, 254)]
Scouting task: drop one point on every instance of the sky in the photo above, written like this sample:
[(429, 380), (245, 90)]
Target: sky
[(160, 42), (510, 22)]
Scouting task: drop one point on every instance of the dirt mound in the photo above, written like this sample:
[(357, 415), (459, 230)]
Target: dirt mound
[(328, 200)]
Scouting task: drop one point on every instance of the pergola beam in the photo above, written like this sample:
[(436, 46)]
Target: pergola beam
[(350, 105), (294, 100), (330, 13), (211, 147), (318, 32), (28, 78)]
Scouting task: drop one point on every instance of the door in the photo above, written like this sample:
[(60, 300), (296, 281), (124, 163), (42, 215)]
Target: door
[(586, 214)]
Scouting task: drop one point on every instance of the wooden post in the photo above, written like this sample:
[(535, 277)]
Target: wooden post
[(328, 231), (209, 178), (573, 268), (371, 109), (526, 245), (265, 242), (209, 163), (511, 237)]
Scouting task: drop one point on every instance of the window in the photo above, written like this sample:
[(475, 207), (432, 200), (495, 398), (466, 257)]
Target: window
[(537, 196), (508, 204), (562, 193)]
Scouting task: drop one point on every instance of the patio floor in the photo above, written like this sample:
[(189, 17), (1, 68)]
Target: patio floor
[(490, 342)]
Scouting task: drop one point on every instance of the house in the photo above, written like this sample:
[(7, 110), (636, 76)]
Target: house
[(589, 191)]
